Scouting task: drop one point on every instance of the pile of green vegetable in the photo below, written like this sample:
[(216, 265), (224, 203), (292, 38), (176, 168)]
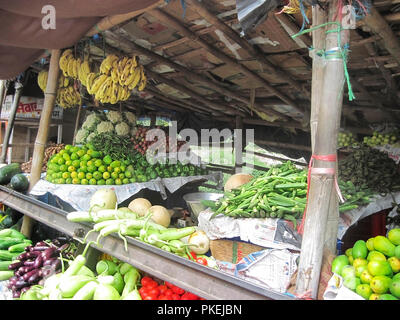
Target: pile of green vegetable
[(111, 161), (369, 168), (112, 281), (281, 192), (12, 176)]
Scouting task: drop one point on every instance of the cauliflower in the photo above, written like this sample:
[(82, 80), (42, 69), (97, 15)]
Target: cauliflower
[(91, 121), (114, 116), (130, 117), (133, 131), (105, 126), (81, 136), (90, 137), (122, 129)]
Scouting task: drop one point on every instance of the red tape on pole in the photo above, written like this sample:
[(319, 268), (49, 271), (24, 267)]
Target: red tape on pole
[(319, 171)]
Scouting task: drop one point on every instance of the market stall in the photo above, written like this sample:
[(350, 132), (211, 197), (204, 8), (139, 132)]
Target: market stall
[(261, 149)]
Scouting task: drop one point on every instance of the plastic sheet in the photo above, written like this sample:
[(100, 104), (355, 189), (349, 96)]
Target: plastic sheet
[(77, 195)]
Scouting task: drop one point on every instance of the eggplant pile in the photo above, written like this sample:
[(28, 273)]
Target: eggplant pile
[(38, 262)]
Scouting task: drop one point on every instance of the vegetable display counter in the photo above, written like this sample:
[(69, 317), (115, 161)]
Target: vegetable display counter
[(206, 282)]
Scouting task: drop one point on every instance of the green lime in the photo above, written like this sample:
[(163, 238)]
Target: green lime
[(81, 153), (61, 181), (132, 180), (81, 175), (61, 153), (74, 156), (91, 168), (49, 172), (68, 163), (125, 181), (92, 181), (98, 163), (128, 174), (54, 175), (109, 169), (71, 168), (83, 163), (106, 175), (66, 175), (76, 163), (89, 175), (121, 176), (122, 168), (90, 163), (66, 156), (107, 159), (84, 181), (86, 157), (74, 174), (63, 168), (102, 168), (117, 169), (61, 161), (75, 149), (118, 181), (68, 147), (114, 175), (109, 181), (68, 181), (59, 175), (97, 175), (55, 160), (101, 182), (76, 181)]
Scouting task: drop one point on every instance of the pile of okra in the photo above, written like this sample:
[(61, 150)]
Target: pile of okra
[(281, 192)]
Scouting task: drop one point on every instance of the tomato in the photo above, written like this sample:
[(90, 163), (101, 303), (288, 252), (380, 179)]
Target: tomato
[(163, 297), (145, 281), (189, 296), (149, 298), (169, 284), (176, 296), (154, 291), (177, 290), (202, 261), (162, 288), (152, 284), (168, 293)]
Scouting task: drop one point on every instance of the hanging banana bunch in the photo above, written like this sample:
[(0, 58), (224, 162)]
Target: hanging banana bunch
[(67, 95), (116, 80)]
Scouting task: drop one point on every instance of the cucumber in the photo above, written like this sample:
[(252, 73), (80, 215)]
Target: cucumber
[(19, 182), (4, 265), (5, 243), (8, 171), (5, 275), (7, 256), (19, 246)]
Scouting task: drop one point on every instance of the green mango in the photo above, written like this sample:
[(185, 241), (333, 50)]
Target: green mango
[(374, 296), (349, 252), (397, 252), (370, 244), (360, 250), (394, 264), (350, 283), (376, 255), (379, 268), (383, 244), (395, 288), (380, 284), (394, 236), (338, 263), (396, 277), (387, 296), (366, 277), (364, 290), (348, 272)]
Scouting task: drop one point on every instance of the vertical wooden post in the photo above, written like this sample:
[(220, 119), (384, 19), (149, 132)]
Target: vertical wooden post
[(77, 123), (321, 185), (3, 92), (43, 131), (11, 119)]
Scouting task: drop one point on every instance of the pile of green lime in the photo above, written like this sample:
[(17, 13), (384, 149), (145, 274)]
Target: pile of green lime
[(86, 166)]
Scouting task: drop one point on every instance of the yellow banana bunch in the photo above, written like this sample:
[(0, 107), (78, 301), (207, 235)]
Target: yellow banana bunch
[(68, 97), (83, 71), (42, 79)]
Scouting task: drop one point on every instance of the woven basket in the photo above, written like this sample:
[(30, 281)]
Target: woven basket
[(232, 251)]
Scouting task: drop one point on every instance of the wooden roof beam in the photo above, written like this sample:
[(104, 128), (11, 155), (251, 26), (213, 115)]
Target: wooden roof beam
[(190, 73), (254, 50), (177, 25)]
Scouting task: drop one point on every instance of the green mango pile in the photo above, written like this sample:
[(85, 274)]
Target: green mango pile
[(372, 268)]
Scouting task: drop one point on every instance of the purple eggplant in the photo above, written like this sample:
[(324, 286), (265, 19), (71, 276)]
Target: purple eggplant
[(25, 289), (34, 278), (56, 264), (38, 262), (63, 247), (20, 284), (40, 248), (29, 262), (49, 262), (22, 257), (46, 272), (27, 275), (48, 253), (16, 294), (15, 265), (33, 254)]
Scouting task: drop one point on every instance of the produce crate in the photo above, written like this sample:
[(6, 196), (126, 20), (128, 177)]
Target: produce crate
[(231, 250)]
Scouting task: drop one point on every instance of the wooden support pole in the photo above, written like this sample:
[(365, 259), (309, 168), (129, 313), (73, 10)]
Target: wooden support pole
[(78, 115), (321, 185), (3, 92), (43, 131), (11, 119), (177, 25)]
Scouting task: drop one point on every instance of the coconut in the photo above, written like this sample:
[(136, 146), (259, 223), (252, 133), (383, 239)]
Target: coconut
[(160, 215), (236, 180)]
